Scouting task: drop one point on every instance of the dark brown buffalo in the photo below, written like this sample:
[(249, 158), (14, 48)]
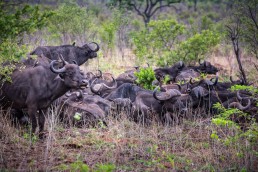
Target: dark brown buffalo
[(162, 103), (89, 109), (70, 53), (35, 88), (172, 72)]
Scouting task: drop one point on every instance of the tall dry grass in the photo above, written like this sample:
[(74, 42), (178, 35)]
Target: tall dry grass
[(129, 146)]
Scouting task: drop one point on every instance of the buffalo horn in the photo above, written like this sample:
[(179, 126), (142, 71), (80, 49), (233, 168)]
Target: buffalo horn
[(167, 95), (62, 58), (112, 87), (238, 96), (215, 82), (191, 82), (239, 106), (95, 88), (96, 49), (62, 70)]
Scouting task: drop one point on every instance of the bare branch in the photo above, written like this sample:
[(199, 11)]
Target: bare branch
[(147, 7), (162, 6), (252, 17)]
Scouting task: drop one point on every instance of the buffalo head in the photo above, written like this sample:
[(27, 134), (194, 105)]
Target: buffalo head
[(70, 74), (207, 67)]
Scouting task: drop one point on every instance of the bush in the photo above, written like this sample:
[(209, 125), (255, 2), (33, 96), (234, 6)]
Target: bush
[(145, 77)]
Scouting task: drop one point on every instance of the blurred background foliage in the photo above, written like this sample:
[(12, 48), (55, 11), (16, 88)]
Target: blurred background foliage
[(159, 33)]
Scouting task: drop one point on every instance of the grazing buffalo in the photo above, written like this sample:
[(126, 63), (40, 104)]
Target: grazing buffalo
[(126, 90), (80, 110), (102, 87), (207, 67), (172, 72), (163, 104), (35, 88), (70, 53), (186, 74)]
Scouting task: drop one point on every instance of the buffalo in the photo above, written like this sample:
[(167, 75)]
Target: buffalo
[(172, 72), (70, 53), (35, 88), (163, 104)]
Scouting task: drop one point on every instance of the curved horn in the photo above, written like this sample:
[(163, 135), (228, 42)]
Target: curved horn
[(62, 70), (215, 82), (96, 49), (95, 88), (112, 87), (190, 81), (239, 106), (62, 58), (238, 96), (243, 98), (75, 62), (167, 95)]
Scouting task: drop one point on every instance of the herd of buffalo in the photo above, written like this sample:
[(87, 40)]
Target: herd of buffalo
[(53, 74)]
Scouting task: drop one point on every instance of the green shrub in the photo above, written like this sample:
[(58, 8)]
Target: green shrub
[(145, 77)]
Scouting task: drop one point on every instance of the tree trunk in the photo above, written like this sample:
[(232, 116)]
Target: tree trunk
[(195, 5), (237, 53)]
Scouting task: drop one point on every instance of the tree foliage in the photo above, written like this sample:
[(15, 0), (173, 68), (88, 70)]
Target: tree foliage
[(144, 8), (246, 13), (24, 20), (71, 22), (197, 46), (167, 42), (13, 25)]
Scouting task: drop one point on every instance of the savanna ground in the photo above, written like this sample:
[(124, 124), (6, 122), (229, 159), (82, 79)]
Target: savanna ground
[(125, 145), (195, 144)]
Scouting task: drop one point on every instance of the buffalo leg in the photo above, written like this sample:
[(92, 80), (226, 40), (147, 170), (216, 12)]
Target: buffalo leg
[(41, 123), (32, 113), (18, 115)]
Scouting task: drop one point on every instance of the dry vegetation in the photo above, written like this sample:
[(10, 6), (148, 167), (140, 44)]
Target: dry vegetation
[(125, 145)]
